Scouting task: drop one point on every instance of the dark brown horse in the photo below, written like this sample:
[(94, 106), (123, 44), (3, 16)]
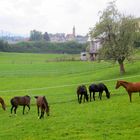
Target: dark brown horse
[(98, 88), (22, 101), (2, 103), (43, 105), (82, 91), (129, 86)]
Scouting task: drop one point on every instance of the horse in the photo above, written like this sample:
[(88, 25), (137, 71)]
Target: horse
[(22, 101), (42, 103), (129, 86), (82, 90), (98, 88), (2, 103)]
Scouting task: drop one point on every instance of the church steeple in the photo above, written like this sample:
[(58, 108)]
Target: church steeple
[(73, 31)]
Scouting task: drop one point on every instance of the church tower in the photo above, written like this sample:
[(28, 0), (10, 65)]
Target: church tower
[(73, 31)]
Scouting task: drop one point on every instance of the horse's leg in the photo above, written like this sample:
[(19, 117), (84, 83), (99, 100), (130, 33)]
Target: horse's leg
[(12, 109), (23, 109), (80, 98), (130, 94), (38, 110), (84, 97), (90, 95), (100, 95), (42, 113), (28, 107), (94, 96), (15, 109)]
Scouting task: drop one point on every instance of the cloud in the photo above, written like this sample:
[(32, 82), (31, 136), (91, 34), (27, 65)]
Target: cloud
[(22, 16)]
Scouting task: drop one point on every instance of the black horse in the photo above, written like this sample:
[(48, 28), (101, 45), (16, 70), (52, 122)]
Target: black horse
[(23, 101), (82, 90), (98, 88)]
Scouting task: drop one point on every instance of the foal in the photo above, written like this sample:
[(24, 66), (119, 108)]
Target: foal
[(2, 103), (129, 86), (43, 105)]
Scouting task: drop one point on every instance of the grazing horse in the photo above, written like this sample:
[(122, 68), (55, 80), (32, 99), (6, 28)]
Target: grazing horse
[(43, 105), (129, 86), (98, 88), (23, 101), (82, 90), (2, 103)]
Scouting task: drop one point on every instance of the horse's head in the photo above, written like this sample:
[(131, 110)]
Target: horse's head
[(108, 95), (2, 103), (118, 84), (4, 106)]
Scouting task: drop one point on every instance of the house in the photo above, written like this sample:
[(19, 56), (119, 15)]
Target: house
[(94, 46)]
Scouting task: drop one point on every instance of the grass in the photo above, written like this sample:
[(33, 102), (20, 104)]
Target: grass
[(115, 119)]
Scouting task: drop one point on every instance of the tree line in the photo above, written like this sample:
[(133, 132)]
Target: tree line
[(37, 36), (42, 46)]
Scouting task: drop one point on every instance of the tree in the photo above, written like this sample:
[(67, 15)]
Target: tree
[(46, 36), (3, 46), (117, 33), (35, 35)]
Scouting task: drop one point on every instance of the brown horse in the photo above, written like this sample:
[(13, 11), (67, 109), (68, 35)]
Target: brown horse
[(129, 86), (82, 90), (43, 105), (2, 103), (23, 101)]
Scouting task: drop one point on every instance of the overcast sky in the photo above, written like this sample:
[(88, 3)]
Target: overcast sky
[(57, 16)]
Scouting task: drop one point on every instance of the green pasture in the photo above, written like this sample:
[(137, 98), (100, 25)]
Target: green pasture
[(43, 74)]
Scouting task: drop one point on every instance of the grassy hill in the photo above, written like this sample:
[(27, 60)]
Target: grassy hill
[(41, 74)]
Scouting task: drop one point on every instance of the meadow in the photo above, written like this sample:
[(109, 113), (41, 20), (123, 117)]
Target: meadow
[(42, 74)]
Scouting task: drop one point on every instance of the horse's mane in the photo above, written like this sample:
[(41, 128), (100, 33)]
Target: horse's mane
[(123, 81), (106, 89)]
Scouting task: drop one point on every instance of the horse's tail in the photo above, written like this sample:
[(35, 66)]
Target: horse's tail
[(46, 104), (12, 101)]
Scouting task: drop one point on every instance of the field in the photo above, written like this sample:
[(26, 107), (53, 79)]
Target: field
[(41, 74)]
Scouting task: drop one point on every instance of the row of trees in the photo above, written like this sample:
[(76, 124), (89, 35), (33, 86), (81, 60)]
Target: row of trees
[(118, 34), (43, 47)]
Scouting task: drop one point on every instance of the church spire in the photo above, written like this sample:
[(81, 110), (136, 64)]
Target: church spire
[(73, 31)]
